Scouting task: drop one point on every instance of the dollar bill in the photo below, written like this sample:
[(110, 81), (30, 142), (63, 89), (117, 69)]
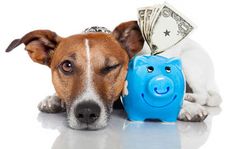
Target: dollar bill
[(147, 16), (163, 27), (152, 19), (141, 13)]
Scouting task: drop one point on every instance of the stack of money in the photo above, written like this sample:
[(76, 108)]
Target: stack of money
[(162, 26)]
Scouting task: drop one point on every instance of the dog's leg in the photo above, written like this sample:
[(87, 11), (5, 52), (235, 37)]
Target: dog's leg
[(198, 97), (204, 94), (52, 104), (197, 82), (214, 98), (192, 112), (195, 91)]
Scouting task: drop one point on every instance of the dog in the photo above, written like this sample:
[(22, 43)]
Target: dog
[(89, 71)]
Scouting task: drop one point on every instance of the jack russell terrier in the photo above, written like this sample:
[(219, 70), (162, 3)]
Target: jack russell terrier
[(89, 71)]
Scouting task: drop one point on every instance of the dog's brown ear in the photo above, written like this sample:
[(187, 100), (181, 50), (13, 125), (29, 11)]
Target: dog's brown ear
[(130, 37), (40, 45)]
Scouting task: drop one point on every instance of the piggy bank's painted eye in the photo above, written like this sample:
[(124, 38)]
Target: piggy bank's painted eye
[(168, 69), (150, 69)]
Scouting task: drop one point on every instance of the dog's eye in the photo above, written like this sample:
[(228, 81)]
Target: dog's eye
[(107, 69), (150, 69), (168, 69), (66, 66)]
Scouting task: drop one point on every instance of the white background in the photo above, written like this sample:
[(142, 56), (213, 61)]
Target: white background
[(23, 83)]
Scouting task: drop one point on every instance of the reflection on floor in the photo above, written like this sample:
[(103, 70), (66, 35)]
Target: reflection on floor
[(123, 134)]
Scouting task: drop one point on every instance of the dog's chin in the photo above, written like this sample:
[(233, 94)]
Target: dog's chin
[(100, 123), (83, 126)]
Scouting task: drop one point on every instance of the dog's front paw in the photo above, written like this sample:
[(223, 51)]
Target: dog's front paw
[(189, 97), (51, 104), (192, 112), (199, 98)]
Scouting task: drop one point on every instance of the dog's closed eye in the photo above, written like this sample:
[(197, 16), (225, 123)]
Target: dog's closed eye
[(108, 69)]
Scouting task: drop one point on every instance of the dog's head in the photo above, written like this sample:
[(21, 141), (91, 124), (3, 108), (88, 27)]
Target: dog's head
[(88, 70)]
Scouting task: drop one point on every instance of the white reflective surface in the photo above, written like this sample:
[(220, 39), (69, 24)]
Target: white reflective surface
[(124, 134), (23, 84)]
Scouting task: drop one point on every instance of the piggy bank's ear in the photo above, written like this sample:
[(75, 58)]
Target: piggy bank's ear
[(175, 61), (138, 61)]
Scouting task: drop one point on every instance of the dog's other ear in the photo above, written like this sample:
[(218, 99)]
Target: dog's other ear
[(128, 34), (40, 45)]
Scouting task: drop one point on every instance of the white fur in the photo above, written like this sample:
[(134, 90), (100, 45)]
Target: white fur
[(199, 73), (125, 91), (89, 94)]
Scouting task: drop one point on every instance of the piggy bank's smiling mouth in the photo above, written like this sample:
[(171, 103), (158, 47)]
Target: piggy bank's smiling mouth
[(157, 99), (162, 93)]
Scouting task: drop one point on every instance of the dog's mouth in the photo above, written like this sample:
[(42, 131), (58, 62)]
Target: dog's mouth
[(158, 106)]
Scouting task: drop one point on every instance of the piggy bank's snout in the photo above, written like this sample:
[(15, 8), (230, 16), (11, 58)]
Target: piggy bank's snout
[(161, 86)]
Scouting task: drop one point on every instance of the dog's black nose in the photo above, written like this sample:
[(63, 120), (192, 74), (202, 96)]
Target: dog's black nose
[(87, 112)]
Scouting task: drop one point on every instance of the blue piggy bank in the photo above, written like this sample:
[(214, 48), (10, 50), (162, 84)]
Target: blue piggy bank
[(155, 88)]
